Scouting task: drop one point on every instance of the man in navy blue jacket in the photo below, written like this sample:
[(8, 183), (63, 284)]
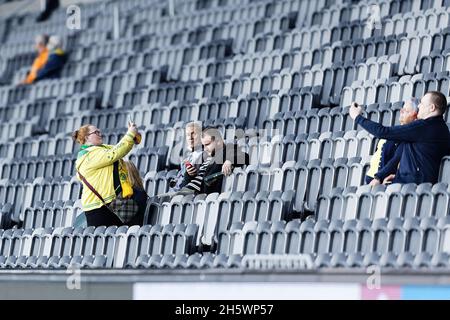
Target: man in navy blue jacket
[(424, 142)]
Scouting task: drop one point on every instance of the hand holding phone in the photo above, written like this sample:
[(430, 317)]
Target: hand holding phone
[(132, 126), (388, 179), (190, 169)]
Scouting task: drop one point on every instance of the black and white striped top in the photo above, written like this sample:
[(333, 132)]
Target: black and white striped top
[(196, 182)]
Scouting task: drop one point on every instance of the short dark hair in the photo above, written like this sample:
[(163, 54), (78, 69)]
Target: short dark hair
[(213, 132), (439, 100)]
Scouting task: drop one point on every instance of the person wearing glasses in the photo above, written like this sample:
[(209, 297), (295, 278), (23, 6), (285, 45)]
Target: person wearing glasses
[(103, 173)]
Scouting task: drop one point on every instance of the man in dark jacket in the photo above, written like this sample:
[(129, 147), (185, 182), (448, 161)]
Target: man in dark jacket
[(424, 141), (220, 161)]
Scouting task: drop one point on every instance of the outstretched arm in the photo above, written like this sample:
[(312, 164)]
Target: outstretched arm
[(405, 133)]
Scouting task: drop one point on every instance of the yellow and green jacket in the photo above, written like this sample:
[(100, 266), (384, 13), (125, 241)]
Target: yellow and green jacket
[(96, 164)]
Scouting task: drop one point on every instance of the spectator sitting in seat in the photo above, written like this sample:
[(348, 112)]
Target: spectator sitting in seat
[(40, 60), (191, 163), (55, 62), (220, 160), (379, 163), (424, 141), (139, 194), (103, 173)]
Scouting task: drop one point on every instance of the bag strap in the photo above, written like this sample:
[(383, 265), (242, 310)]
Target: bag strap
[(91, 188)]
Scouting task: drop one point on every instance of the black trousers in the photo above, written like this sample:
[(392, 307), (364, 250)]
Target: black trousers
[(102, 217)]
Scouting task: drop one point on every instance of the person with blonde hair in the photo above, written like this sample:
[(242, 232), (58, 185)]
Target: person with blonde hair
[(104, 175), (194, 157), (139, 194), (134, 175)]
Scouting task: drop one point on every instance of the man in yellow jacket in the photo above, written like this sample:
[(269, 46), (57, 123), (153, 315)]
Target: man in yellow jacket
[(40, 60), (95, 165)]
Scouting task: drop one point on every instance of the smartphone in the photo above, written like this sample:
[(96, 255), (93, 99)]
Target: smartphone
[(188, 164)]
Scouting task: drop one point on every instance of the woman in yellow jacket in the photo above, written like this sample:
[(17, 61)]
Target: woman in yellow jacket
[(100, 167)]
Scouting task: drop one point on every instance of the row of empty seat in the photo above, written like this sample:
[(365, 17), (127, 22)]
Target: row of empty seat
[(277, 78), (120, 245), (379, 236), (364, 241), (395, 201)]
